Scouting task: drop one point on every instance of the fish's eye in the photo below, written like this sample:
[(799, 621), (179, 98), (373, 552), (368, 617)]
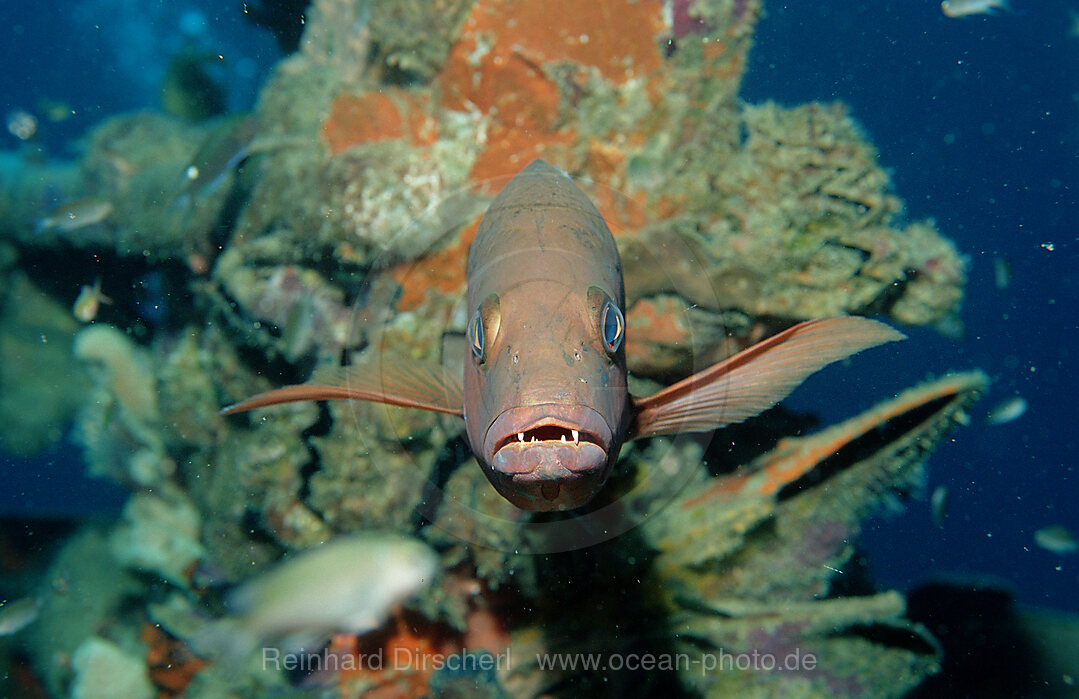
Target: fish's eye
[(483, 328), (613, 325), (475, 337)]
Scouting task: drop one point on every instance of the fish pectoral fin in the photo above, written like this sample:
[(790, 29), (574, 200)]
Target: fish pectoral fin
[(756, 378), (408, 384)]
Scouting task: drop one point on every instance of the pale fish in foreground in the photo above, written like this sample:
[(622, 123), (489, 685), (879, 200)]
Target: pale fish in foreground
[(1011, 409), (543, 391), (350, 584), (16, 615), (963, 8), (1057, 539)]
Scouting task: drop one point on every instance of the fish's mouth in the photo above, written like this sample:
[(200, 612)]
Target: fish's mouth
[(562, 434), (548, 457)]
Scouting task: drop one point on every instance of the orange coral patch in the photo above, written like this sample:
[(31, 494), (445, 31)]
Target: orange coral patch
[(793, 458), (606, 162), (727, 486), (500, 63), (172, 666), (617, 37), (377, 116), (442, 271), (406, 650), (521, 102), (623, 211), (730, 70), (486, 631), (505, 86), (510, 149), (654, 321)]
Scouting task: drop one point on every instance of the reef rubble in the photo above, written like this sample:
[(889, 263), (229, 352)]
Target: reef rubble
[(332, 224)]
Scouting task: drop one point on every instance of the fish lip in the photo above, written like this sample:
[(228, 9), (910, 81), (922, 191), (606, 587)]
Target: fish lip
[(542, 495), (548, 474), (592, 427)]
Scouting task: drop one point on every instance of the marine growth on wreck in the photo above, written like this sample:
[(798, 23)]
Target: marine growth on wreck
[(331, 226)]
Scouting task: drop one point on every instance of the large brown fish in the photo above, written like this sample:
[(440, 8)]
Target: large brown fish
[(544, 396)]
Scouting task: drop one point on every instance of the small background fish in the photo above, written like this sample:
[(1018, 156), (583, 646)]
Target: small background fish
[(938, 503), (1006, 411), (16, 615), (963, 8), (75, 214), (1057, 539), (89, 301)]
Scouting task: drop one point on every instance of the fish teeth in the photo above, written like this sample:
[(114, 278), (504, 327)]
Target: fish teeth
[(575, 434)]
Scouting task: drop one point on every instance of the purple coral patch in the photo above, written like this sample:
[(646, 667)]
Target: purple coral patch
[(821, 540), (682, 22)]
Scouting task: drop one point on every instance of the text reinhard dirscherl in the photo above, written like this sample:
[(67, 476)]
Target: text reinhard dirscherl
[(414, 660)]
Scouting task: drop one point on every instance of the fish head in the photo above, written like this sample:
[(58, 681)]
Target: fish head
[(550, 399), (546, 404)]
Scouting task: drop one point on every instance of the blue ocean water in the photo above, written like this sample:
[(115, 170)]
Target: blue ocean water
[(103, 57), (977, 119), (90, 60)]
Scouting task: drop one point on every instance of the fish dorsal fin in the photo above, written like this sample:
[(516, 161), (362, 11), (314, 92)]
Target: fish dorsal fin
[(756, 378), (408, 384)]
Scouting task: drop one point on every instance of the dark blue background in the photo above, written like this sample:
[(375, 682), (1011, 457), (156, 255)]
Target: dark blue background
[(978, 121)]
